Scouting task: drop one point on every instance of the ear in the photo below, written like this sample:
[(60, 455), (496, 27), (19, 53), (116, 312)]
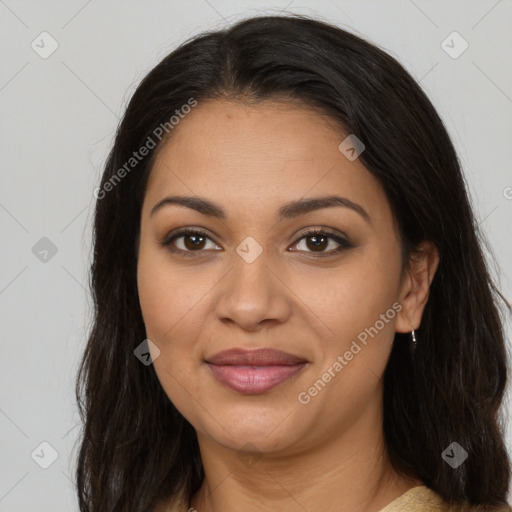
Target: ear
[(415, 286)]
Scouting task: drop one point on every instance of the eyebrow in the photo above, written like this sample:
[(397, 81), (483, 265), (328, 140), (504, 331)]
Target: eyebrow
[(287, 211)]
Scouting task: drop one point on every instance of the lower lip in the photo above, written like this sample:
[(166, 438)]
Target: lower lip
[(254, 379)]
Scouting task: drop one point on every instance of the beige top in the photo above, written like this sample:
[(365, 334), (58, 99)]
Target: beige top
[(416, 499), (423, 499)]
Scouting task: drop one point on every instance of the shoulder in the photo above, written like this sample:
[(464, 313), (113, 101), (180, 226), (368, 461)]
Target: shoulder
[(423, 499)]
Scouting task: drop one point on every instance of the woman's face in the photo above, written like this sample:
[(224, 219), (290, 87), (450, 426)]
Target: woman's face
[(258, 280)]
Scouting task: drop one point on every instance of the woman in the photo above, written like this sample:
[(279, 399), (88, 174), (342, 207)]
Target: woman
[(293, 311)]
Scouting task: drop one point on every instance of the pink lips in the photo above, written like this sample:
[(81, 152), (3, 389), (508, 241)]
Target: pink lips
[(254, 371)]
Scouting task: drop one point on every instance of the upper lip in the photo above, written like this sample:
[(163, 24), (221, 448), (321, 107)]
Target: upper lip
[(254, 357)]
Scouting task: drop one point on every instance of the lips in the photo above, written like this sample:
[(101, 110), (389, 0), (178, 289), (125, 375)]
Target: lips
[(254, 371), (256, 357)]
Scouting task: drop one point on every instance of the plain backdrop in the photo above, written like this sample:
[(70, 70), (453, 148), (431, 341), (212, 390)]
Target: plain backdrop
[(58, 115)]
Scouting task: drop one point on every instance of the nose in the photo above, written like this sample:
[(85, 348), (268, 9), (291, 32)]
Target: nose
[(253, 295)]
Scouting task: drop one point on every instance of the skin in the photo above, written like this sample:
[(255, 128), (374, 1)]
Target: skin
[(326, 455)]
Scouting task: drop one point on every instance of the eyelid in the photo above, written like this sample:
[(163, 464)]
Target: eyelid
[(340, 238), (181, 232)]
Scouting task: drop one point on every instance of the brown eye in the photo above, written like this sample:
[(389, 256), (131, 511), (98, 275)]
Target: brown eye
[(194, 241), (317, 241), (188, 242)]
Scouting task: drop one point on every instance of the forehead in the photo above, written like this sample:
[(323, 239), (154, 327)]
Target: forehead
[(237, 133), (259, 153)]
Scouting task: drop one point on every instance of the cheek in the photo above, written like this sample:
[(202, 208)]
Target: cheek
[(355, 312), (167, 298), (173, 305), (168, 311), (353, 299)]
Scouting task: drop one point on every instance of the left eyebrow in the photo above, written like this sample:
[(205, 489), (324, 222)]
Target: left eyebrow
[(296, 208), (287, 211)]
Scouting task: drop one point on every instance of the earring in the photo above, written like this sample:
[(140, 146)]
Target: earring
[(414, 342)]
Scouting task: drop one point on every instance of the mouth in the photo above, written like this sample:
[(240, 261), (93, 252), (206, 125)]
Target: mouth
[(254, 371)]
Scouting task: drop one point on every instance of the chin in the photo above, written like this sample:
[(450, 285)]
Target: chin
[(238, 429)]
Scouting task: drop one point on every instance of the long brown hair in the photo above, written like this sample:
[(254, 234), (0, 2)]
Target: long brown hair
[(136, 448)]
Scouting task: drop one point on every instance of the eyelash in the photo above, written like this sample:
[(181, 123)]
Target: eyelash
[(344, 244)]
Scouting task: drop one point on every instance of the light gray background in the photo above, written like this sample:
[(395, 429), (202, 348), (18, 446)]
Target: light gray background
[(58, 116)]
